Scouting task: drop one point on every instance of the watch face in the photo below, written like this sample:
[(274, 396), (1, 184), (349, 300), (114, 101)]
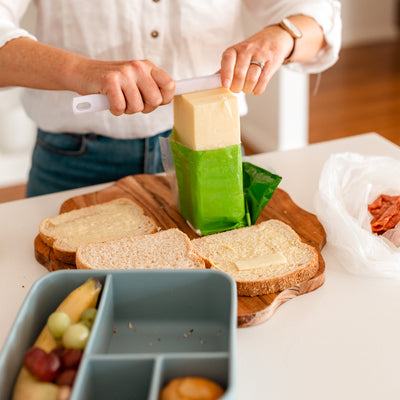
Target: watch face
[(292, 28)]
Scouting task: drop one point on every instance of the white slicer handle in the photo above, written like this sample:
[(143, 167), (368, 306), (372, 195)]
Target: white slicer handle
[(195, 84), (90, 103), (100, 102)]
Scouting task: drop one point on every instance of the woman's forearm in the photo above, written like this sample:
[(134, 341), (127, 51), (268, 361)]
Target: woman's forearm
[(131, 86), (27, 63)]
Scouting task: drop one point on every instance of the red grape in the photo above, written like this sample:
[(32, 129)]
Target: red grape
[(58, 351), (44, 366), (71, 358), (66, 377), (31, 356)]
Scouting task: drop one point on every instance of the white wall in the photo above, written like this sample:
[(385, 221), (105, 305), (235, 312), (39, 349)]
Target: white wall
[(366, 21)]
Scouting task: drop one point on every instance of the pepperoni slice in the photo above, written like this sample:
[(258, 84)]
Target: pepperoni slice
[(386, 212)]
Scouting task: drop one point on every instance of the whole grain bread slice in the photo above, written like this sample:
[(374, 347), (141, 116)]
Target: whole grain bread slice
[(297, 261), (111, 220), (168, 249)]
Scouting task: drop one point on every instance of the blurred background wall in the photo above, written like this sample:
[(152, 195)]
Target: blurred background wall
[(278, 119)]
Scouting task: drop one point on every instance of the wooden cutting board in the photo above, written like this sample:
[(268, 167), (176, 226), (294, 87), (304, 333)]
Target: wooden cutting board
[(153, 194)]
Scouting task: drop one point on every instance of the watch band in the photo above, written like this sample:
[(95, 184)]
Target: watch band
[(294, 32)]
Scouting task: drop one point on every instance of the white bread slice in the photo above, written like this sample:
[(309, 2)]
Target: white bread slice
[(223, 250), (112, 220), (169, 249)]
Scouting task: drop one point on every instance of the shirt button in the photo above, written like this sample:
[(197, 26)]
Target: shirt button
[(154, 34)]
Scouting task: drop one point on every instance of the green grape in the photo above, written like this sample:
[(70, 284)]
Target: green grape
[(88, 316), (76, 336), (57, 323)]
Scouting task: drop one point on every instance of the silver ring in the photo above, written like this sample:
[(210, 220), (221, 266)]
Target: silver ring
[(258, 63)]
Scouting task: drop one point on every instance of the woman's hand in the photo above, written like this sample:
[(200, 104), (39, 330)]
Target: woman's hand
[(271, 45), (131, 86)]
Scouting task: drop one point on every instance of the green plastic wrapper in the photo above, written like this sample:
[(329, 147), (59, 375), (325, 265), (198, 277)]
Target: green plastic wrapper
[(217, 192), (210, 185), (258, 187)]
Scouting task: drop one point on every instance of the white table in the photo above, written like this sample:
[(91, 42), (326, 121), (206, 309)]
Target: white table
[(341, 341)]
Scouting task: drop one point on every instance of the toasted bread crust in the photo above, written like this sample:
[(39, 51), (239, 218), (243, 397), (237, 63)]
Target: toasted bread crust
[(64, 256), (220, 250), (279, 283)]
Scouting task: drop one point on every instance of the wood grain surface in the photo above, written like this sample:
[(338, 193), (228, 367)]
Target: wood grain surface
[(153, 194), (358, 94)]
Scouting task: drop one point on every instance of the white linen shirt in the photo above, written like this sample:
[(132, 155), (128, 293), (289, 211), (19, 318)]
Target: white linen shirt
[(185, 38)]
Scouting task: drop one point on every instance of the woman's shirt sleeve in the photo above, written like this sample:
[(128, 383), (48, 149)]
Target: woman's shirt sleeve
[(11, 11)]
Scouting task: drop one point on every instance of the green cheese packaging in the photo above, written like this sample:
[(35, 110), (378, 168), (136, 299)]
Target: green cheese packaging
[(217, 191)]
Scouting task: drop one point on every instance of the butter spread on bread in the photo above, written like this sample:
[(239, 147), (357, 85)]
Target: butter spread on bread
[(264, 261), (223, 250), (112, 220)]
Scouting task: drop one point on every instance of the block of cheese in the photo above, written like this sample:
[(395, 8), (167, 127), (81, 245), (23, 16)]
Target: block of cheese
[(207, 119)]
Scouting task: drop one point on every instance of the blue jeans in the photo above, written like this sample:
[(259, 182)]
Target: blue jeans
[(68, 161)]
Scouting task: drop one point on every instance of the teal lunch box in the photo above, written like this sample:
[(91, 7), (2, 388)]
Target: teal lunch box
[(151, 326)]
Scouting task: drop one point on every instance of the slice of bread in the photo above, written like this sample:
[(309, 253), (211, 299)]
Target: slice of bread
[(280, 259), (169, 249), (112, 220)]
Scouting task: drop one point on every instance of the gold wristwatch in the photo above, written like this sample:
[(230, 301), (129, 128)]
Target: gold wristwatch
[(294, 32)]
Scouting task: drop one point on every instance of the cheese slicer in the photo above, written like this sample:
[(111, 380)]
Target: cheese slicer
[(100, 102)]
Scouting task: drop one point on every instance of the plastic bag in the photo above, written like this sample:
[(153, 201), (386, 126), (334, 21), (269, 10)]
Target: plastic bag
[(348, 183), (393, 235)]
